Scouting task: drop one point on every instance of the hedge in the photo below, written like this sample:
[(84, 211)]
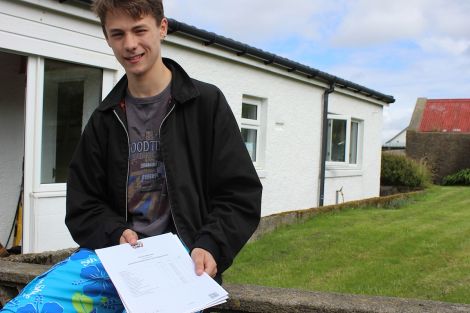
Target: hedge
[(399, 170)]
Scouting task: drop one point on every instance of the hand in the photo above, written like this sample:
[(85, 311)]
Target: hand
[(204, 262), (128, 236)]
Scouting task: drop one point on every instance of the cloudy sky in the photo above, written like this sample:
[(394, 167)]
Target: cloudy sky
[(404, 48)]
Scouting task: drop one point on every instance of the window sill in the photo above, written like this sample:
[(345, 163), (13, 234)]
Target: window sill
[(332, 172), (51, 188)]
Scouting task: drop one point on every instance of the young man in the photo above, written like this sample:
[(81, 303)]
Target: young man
[(161, 153)]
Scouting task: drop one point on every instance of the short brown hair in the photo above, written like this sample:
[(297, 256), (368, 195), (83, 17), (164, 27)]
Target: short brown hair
[(135, 8)]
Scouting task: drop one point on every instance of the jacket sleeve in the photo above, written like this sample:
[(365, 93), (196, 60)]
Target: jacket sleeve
[(235, 191), (89, 217)]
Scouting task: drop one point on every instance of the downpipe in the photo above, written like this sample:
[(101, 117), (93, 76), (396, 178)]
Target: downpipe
[(324, 137)]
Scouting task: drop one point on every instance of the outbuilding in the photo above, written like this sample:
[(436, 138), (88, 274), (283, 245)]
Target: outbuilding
[(439, 135)]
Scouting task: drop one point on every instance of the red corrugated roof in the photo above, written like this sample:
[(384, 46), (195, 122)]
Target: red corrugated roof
[(446, 115)]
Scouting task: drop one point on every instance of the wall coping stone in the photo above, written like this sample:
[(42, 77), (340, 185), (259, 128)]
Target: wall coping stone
[(45, 258), (259, 299), (20, 273)]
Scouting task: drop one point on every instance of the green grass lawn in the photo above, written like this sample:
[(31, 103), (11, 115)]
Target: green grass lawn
[(418, 250)]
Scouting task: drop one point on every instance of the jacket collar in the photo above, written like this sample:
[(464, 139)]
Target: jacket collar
[(182, 87)]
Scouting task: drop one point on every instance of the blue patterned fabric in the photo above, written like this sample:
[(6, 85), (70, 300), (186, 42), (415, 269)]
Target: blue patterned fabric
[(78, 284)]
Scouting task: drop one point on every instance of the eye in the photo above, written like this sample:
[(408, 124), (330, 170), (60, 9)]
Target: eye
[(116, 35)]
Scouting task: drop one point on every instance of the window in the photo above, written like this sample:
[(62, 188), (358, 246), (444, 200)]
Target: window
[(252, 127), (71, 92), (343, 140), (353, 140), (250, 137)]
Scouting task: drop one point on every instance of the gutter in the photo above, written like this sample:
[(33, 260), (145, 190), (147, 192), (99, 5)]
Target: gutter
[(241, 49), (324, 137)]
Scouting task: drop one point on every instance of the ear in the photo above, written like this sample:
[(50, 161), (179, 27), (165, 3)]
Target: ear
[(163, 28)]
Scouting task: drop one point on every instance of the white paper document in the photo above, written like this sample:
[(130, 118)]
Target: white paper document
[(158, 276)]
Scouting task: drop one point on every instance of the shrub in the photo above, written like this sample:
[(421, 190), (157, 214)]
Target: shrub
[(462, 177), (398, 170)]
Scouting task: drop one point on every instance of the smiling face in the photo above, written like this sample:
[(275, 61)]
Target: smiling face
[(136, 43)]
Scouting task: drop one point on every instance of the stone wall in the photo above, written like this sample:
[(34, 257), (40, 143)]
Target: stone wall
[(445, 153), (258, 299), (274, 221)]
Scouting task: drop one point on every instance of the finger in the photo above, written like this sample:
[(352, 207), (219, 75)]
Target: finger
[(210, 266), (198, 259), (211, 269), (208, 263)]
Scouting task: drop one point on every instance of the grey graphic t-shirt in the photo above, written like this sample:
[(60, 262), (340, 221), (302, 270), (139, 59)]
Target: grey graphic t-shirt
[(148, 202)]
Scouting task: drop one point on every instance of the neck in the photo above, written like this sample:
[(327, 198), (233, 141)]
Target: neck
[(150, 84)]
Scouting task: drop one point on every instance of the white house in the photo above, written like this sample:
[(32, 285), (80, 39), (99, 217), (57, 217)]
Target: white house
[(56, 66), (397, 142)]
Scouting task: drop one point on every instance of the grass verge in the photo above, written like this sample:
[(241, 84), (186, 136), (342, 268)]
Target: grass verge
[(419, 250)]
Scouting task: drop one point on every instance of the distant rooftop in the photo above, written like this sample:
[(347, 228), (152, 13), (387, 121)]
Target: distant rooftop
[(446, 115), (398, 141), (239, 48)]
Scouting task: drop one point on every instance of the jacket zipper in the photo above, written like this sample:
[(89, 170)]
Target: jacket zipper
[(166, 179), (127, 134)]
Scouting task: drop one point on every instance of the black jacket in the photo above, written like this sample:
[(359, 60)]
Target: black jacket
[(214, 190)]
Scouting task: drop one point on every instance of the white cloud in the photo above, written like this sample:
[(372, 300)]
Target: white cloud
[(449, 18), (434, 24), (252, 21), (369, 22), (406, 48), (445, 45)]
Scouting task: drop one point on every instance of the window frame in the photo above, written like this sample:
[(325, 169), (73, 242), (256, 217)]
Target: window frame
[(258, 124), (254, 124), (347, 151), (34, 115)]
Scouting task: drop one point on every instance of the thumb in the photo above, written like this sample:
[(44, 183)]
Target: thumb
[(129, 236)]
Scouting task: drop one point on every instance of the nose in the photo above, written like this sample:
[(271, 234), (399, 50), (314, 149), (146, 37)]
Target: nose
[(130, 42)]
